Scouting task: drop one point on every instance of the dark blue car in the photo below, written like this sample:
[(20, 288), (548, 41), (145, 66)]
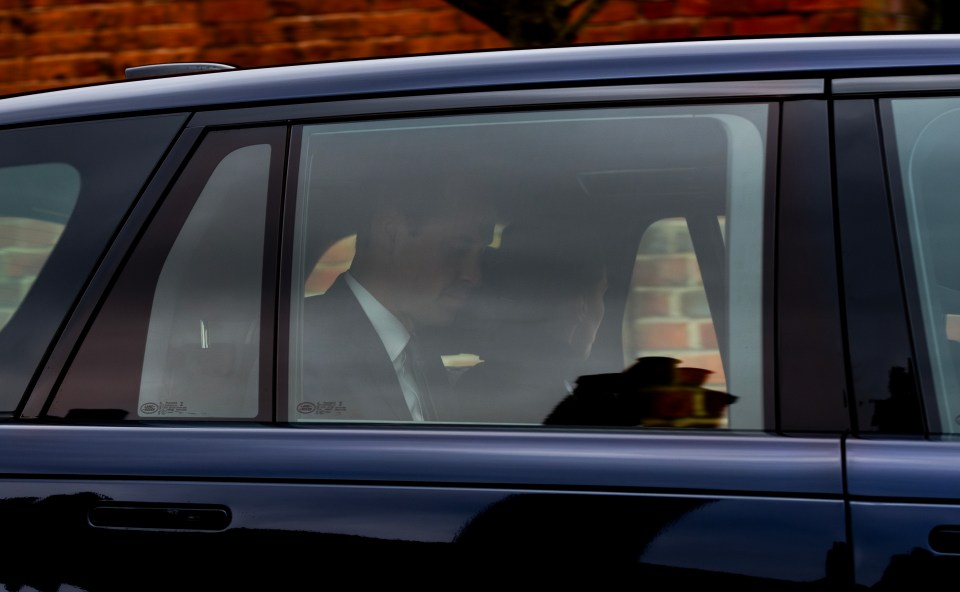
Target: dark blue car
[(657, 315)]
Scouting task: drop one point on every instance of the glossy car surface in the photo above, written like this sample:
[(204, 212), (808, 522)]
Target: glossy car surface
[(748, 243)]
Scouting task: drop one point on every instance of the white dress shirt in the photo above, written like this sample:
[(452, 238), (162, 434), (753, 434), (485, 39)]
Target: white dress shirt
[(395, 338)]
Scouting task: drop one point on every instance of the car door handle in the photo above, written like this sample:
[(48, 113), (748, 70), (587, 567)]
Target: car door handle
[(945, 539), (164, 517)]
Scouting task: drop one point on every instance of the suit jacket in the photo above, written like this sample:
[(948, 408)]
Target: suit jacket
[(346, 372)]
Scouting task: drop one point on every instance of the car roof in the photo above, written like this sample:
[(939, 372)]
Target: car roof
[(500, 69)]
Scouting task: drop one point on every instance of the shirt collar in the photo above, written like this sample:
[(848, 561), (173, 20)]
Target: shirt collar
[(388, 327)]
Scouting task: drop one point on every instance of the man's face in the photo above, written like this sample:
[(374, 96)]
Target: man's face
[(437, 263)]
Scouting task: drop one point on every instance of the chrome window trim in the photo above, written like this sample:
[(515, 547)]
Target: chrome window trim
[(344, 107), (873, 84)]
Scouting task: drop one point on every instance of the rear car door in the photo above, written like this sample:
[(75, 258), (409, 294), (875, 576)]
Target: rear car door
[(684, 428), (902, 475)]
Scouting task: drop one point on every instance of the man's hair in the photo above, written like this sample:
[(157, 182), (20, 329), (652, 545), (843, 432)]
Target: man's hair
[(418, 201), (545, 262), (416, 173)]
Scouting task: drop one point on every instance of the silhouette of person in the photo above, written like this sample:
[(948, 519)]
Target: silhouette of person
[(417, 259), (545, 292)]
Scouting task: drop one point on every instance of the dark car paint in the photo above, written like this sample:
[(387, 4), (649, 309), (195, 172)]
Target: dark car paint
[(531, 499), (818, 510), (414, 75), (904, 511)]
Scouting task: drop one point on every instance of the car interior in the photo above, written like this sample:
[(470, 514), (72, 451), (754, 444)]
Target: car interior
[(614, 176), (930, 177)]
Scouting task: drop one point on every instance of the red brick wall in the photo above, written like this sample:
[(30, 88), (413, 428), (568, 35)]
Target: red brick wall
[(52, 43)]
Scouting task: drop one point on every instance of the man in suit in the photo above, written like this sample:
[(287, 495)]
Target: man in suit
[(417, 260)]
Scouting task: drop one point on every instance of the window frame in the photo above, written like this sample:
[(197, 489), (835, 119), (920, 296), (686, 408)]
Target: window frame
[(139, 143), (133, 237), (912, 294), (563, 99), (783, 92)]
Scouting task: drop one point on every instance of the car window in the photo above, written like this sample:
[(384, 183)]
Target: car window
[(580, 267), (36, 202), (668, 312), (180, 334), (64, 189), (927, 143)]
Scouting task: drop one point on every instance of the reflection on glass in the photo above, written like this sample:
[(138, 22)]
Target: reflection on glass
[(667, 312), (927, 132), (202, 346), (36, 202), (653, 392)]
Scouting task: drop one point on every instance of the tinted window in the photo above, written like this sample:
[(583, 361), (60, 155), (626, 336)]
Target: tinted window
[(63, 191), (668, 312), (567, 268), (927, 135), (37, 201), (180, 334)]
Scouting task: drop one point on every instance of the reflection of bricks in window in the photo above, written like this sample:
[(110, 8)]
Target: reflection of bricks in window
[(665, 270), (708, 335), (651, 302), (669, 314), (682, 334), (25, 246), (12, 291), (661, 335), (693, 304), (22, 262), (24, 232)]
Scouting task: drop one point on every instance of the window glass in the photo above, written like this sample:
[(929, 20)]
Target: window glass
[(928, 143), (504, 269), (668, 313), (202, 349), (179, 337), (35, 204), (64, 190)]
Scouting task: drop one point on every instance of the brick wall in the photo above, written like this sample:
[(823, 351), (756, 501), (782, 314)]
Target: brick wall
[(53, 43)]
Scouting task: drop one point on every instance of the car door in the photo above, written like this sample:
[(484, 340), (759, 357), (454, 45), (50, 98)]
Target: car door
[(897, 180), (193, 403)]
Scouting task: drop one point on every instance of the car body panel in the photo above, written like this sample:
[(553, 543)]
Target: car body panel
[(904, 510), (488, 70), (661, 506), (747, 462)]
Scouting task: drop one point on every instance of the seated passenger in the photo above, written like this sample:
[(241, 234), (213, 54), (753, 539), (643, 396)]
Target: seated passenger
[(416, 261), (544, 291)]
